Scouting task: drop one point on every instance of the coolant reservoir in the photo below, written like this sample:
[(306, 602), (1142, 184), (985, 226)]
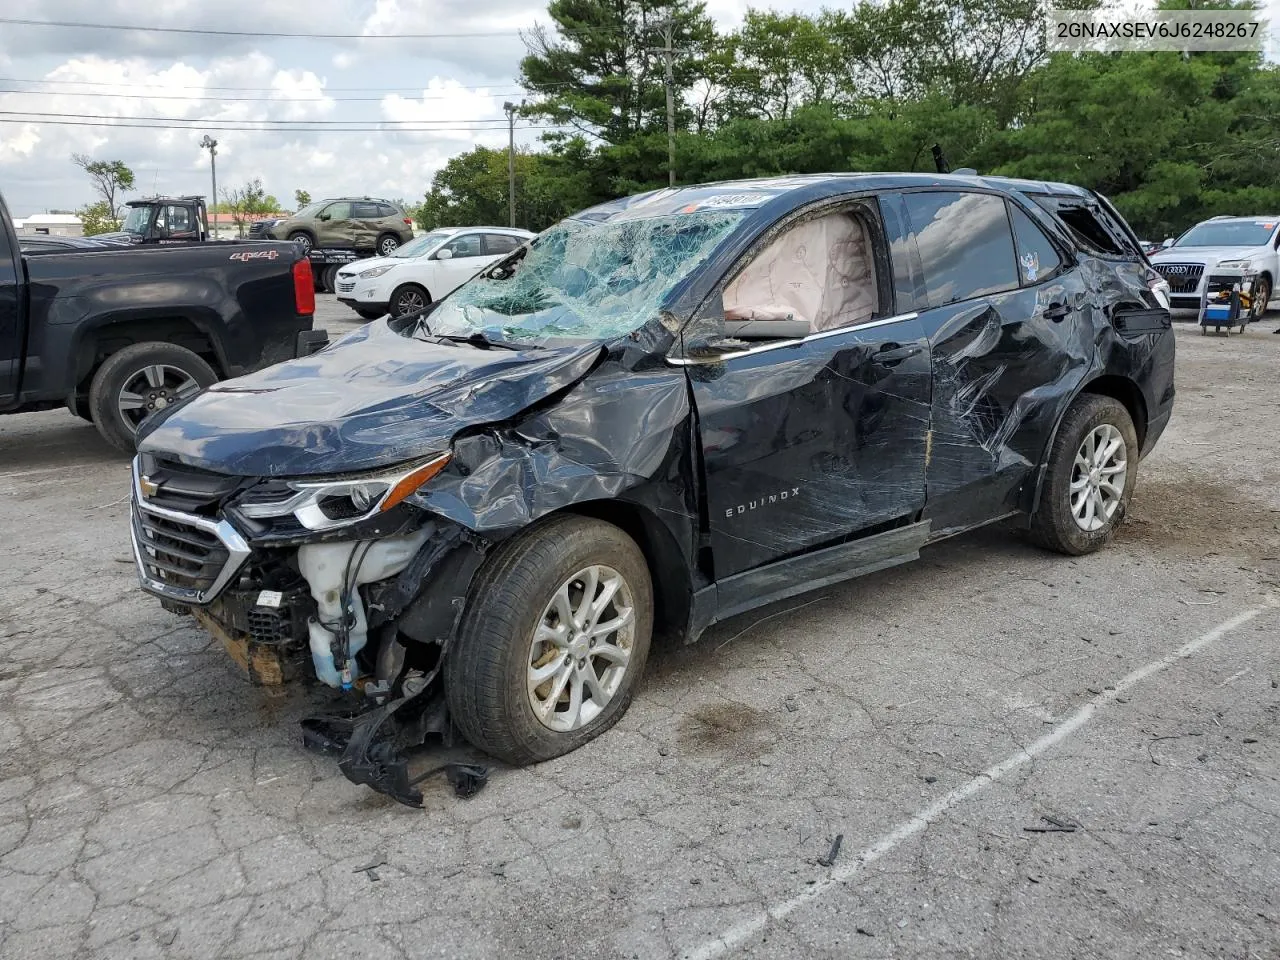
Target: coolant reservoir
[(324, 565)]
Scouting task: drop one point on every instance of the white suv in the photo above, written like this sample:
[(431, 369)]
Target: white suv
[(1245, 244), (424, 270)]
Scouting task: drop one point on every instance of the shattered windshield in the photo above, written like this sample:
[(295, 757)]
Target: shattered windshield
[(585, 280), (135, 221)]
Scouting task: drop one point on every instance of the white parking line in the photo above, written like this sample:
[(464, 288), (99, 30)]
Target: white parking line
[(735, 935)]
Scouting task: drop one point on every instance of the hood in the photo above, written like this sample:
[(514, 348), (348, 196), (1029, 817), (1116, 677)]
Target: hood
[(1207, 254), (371, 400), (357, 267)]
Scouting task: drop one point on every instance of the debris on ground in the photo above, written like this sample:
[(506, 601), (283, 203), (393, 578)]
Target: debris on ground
[(370, 870), (834, 852), (1054, 825)]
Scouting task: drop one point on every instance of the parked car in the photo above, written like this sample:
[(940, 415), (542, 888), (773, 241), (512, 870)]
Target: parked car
[(364, 223), (428, 268), (1247, 244), (162, 220), (261, 229), (116, 333), (658, 414)]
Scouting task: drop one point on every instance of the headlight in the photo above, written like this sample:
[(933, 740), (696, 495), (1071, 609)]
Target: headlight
[(339, 501), (374, 272), (1245, 265)]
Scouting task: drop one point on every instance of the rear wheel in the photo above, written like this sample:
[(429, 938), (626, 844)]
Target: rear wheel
[(408, 298), (140, 380), (1092, 470), (388, 243), (552, 648)]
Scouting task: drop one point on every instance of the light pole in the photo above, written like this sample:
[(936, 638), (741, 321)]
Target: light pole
[(210, 144), (511, 109)]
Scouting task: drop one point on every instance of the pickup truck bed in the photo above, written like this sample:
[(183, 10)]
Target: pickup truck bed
[(115, 334)]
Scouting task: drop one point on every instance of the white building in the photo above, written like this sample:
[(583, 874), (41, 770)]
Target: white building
[(51, 224)]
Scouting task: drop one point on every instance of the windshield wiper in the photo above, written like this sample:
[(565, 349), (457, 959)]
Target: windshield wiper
[(478, 339)]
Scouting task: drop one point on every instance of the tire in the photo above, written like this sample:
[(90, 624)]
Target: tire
[(487, 672), (404, 298), (1261, 299), (387, 244), (1055, 525), (303, 239), (329, 278), (138, 367)]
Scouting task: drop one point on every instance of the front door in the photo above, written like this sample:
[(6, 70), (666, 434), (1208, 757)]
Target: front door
[(467, 257), (1001, 316), (336, 229), (811, 442)]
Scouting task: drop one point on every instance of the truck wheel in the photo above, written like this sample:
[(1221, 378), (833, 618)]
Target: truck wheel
[(139, 380), (1092, 470), (304, 240), (408, 298), (553, 646), (329, 279), (387, 244)]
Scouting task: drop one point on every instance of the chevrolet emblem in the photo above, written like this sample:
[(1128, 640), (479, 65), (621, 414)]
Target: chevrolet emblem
[(148, 487)]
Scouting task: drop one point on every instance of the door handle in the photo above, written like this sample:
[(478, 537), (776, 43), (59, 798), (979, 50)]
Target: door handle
[(891, 354), (1057, 312)]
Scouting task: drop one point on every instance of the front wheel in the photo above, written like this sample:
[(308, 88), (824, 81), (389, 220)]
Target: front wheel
[(364, 314), (553, 645), (1261, 297), (1092, 470), (303, 240), (408, 298), (140, 380)]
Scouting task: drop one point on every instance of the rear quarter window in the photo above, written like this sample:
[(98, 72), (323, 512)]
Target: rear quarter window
[(1090, 226)]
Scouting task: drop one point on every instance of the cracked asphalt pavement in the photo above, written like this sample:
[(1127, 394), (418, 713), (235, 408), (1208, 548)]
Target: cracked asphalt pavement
[(1017, 758)]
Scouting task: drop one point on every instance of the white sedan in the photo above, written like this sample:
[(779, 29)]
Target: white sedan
[(424, 270)]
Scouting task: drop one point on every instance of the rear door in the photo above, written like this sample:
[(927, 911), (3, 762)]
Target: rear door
[(1002, 319), (812, 442), (10, 311), (366, 223)]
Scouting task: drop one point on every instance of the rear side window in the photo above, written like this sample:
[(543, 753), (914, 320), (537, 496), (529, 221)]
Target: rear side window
[(966, 247), (500, 243), (386, 210), (1038, 261)]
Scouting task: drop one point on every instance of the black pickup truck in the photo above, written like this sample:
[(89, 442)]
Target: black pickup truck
[(117, 334)]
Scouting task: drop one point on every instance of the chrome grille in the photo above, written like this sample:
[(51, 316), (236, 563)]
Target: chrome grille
[(347, 286), (181, 556), (1182, 277)]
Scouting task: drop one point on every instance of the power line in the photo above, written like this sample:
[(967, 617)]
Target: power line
[(170, 86), (277, 130), (210, 121), (149, 96), (269, 34)]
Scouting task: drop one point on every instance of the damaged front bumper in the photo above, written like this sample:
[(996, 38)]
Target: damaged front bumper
[(370, 609)]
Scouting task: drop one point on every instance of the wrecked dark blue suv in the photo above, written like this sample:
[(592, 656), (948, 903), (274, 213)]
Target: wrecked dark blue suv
[(659, 413)]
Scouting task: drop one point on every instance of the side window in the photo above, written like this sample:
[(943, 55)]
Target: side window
[(1090, 227), (386, 210), (495, 243), (966, 247), (820, 271), (364, 211), (179, 219), (1038, 261), (339, 211), (467, 245)]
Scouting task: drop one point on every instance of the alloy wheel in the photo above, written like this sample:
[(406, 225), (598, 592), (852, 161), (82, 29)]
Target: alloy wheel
[(388, 246), (1098, 478), (153, 388), (581, 648), (409, 302)]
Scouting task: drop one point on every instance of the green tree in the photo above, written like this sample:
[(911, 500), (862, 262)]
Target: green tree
[(109, 178), (601, 74), (301, 198), (247, 203), (774, 64), (96, 218)]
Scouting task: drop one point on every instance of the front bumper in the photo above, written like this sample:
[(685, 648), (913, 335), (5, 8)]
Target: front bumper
[(364, 294)]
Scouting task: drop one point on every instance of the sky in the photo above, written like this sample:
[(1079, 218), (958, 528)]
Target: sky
[(451, 88)]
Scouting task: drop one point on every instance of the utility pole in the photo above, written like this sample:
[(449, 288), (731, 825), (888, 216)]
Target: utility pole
[(511, 109), (667, 27), (210, 144)]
